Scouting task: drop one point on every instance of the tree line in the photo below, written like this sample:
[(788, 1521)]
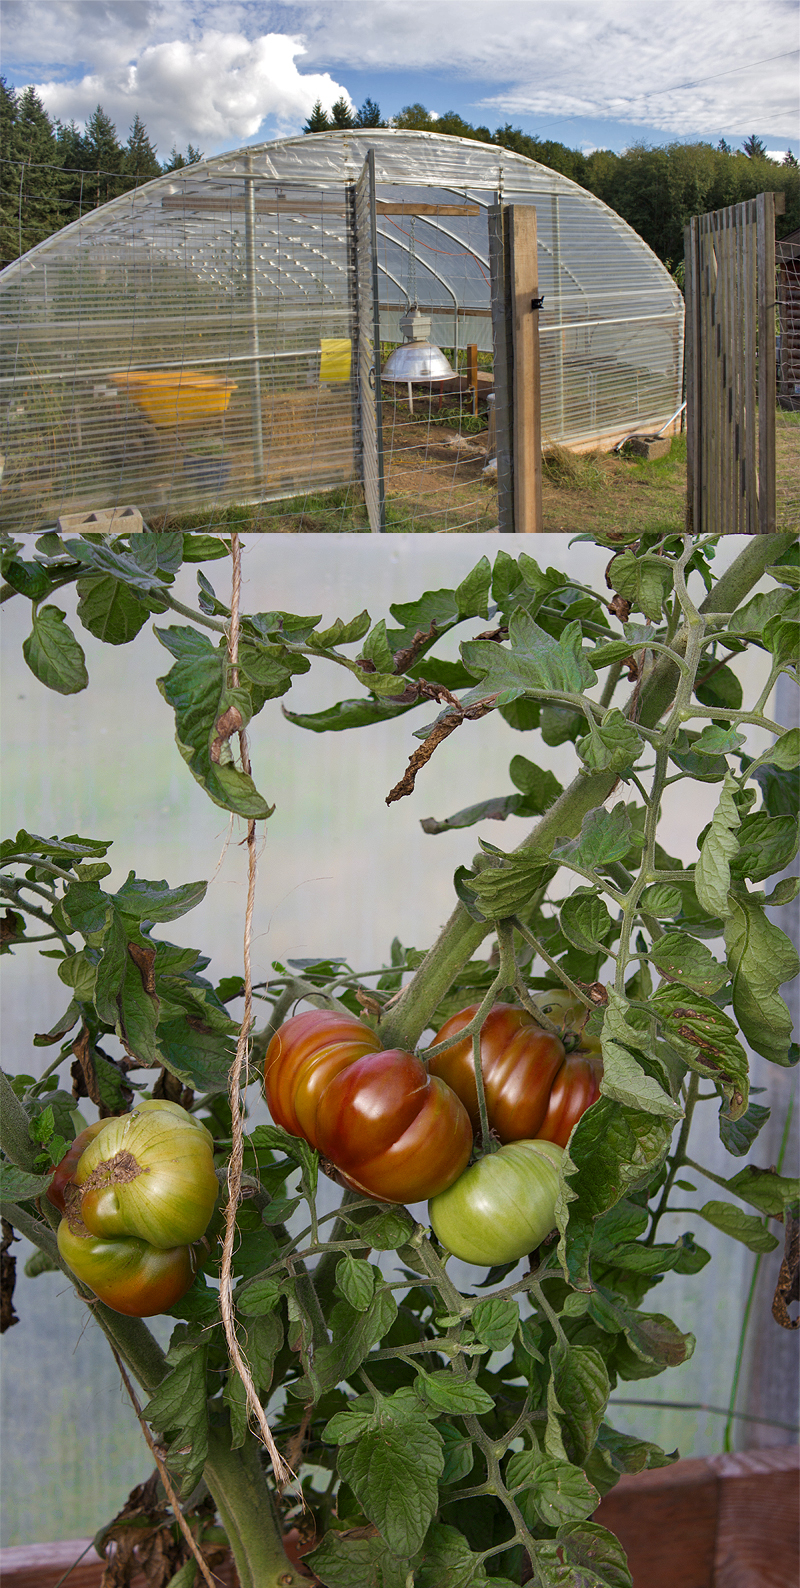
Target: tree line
[(53, 172)]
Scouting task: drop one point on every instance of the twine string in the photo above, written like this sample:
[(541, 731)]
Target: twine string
[(212, 1582), (283, 1472)]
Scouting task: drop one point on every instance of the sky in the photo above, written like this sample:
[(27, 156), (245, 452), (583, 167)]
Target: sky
[(588, 73)]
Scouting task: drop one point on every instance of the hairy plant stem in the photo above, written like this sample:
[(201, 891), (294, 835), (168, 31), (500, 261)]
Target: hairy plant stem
[(677, 1160)]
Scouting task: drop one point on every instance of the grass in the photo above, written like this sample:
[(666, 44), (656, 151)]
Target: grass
[(580, 491), (604, 490)]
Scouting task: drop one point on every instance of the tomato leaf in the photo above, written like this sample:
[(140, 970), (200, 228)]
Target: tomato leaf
[(53, 653), (576, 1399), (507, 883), (356, 1280), (585, 920), (195, 687), (738, 1135), (178, 1409), (109, 610), (686, 959), (762, 958), (653, 1339), (349, 714), (555, 1490), (712, 874), (495, 1321), (536, 663), (583, 1553), (448, 1393), (612, 1150), (741, 1226), (16, 1185), (706, 1039), (605, 836), (763, 1189), (354, 1332), (393, 1470), (624, 1077), (645, 581), (341, 633), (613, 745), (349, 1562)]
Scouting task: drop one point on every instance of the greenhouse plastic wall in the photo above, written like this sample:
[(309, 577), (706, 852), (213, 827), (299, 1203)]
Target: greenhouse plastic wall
[(195, 342)]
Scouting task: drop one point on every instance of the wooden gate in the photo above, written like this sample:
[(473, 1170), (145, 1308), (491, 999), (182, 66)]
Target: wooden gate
[(730, 369)]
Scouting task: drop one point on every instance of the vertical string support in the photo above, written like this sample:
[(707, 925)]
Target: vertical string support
[(282, 1471)]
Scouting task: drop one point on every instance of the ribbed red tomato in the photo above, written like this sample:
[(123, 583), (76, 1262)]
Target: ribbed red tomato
[(534, 1089), (303, 1056), (390, 1129)]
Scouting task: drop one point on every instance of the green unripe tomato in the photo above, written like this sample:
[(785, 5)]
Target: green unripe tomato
[(502, 1207)]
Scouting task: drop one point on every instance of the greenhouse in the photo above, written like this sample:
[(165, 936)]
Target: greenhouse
[(212, 337)]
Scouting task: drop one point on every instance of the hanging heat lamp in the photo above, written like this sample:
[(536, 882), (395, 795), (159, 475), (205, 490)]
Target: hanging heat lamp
[(419, 362)]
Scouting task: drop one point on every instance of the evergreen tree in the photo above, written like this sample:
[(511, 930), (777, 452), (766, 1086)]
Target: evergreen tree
[(369, 115), (139, 158), (32, 205), (789, 158), (754, 148), (318, 120), (724, 148), (102, 155), (341, 114)]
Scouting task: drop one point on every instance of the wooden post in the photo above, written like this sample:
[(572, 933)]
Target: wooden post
[(502, 363), (524, 281), (767, 389), (472, 373)]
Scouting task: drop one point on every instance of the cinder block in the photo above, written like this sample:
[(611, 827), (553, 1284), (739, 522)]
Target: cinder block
[(103, 520), (648, 446)]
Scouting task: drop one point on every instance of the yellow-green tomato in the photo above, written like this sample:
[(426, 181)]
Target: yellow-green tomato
[(149, 1175), (502, 1207)]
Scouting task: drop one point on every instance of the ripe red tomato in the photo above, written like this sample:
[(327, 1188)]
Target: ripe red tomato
[(502, 1207), (391, 1129), (303, 1056), (130, 1276), (519, 1062)]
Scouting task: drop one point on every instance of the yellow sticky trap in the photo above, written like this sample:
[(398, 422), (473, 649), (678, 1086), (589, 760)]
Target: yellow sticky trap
[(336, 358)]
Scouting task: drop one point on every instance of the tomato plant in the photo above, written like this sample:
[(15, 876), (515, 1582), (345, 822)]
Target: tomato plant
[(502, 1207), (438, 1434)]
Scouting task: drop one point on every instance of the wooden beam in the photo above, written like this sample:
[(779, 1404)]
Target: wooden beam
[(472, 373), (524, 283)]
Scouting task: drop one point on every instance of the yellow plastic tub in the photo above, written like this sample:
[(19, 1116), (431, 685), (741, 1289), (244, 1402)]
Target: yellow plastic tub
[(173, 397)]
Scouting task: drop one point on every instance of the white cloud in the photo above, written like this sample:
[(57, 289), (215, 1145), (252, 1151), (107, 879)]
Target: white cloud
[(204, 69), (213, 89)]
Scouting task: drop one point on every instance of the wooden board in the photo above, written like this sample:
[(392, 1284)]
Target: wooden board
[(728, 1521), (523, 270)]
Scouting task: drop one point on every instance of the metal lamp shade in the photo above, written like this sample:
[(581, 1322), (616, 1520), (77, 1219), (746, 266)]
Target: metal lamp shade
[(417, 361)]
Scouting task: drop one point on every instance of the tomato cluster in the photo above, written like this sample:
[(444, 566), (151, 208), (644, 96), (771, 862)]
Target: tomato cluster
[(135, 1192), (390, 1129), (534, 1087)]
